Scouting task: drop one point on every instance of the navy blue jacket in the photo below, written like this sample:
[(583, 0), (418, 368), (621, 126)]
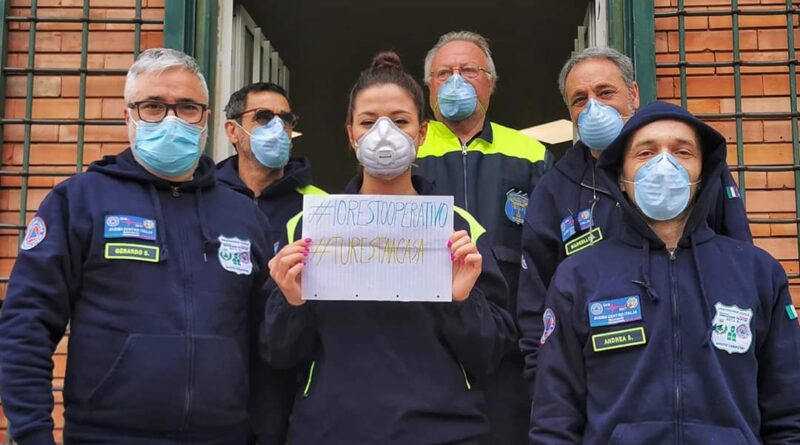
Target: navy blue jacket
[(279, 201), (569, 189), (703, 348), (282, 199), (161, 313), (393, 373)]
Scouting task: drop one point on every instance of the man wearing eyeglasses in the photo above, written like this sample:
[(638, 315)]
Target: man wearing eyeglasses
[(260, 123), (159, 273), (490, 170)]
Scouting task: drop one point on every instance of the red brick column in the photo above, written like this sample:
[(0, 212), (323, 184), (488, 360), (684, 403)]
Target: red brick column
[(764, 89)]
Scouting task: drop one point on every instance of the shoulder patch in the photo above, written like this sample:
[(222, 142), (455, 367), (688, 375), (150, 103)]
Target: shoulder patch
[(34, 234), (549, 320)]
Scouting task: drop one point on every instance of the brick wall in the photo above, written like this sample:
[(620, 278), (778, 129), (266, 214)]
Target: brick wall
[(764, 89), (53, 147)]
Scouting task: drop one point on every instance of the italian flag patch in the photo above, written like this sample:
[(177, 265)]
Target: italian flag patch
[(732, 191), (791, 312)]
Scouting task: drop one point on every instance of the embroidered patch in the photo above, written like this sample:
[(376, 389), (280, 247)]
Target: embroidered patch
[(585, 219), (234, 255), (34, 234), (791, 312), (732, 329), (549, 320), (134, 252), (616, 311), (126, 226), (567, 227), (523, 262), (586, 240), (516, 204), (618, 339), (732, 192)]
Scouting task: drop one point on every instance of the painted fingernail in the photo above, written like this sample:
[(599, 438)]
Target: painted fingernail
[(449, 243), (452, 257), (305, 253), (308, 240)]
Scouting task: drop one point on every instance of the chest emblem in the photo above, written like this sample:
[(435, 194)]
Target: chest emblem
[(234, 255), (516, 203), (732, 332)]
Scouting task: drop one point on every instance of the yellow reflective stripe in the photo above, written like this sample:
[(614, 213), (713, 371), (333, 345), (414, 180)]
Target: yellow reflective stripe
[(291, 226), (475, 228), (310, 190), (310, 378), (505, 141)]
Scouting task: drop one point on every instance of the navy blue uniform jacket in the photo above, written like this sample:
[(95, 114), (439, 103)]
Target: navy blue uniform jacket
[(566, 190), (713, 355), (279, 201), (161, 316), (393, 373)]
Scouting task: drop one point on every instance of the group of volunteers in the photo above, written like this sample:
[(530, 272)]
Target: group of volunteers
[(613, 296)]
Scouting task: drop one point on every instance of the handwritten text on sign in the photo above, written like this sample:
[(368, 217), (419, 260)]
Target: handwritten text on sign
[(378, 247)]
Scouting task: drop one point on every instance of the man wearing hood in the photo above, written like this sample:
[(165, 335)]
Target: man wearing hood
[(159, 274), (570, 211), (260, 123), (670, 332), (490, 170)]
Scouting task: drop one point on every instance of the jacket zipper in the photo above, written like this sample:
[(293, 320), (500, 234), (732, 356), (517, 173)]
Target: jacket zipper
[(464, 164), (189, 392), (676, 336)]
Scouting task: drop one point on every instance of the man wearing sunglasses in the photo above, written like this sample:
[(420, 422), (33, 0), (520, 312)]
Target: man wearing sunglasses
[(490, 170), (160, 275), (260, 123)]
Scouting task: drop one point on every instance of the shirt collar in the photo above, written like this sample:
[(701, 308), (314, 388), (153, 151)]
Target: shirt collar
[(485, 133)]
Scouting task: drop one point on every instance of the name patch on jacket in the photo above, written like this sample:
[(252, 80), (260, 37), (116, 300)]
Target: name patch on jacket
[(516, 204), (234, 255), (586, 240), (126, 226), (732, 329), (616, 311), (618, 339), (135, 252)]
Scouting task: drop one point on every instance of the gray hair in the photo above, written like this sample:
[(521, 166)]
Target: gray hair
[(464, 36), (622, 62), (159, 60)]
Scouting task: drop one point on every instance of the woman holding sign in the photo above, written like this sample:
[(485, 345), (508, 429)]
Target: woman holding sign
[(389, 372)]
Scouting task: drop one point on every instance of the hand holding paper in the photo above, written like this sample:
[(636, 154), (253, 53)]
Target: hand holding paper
[(286, 269), (467, 264)]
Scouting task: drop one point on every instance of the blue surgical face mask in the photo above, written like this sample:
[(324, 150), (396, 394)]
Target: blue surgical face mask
[(662, 187), (457, 98), (270, 144), (599, 124), (170, 147)]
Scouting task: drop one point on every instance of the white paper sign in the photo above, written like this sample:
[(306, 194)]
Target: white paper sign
[(378, 247)]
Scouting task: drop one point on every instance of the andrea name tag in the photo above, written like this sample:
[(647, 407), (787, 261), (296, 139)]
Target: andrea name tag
[(616, 311), (586, 240), (135, 252), (618, 339)]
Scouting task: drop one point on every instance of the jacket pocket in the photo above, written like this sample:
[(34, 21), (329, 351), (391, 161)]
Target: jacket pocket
[(145, 385), (654, 433), (220, 382)]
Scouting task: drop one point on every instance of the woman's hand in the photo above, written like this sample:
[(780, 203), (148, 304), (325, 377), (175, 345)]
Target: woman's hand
[(286, 269), (467, 264)]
